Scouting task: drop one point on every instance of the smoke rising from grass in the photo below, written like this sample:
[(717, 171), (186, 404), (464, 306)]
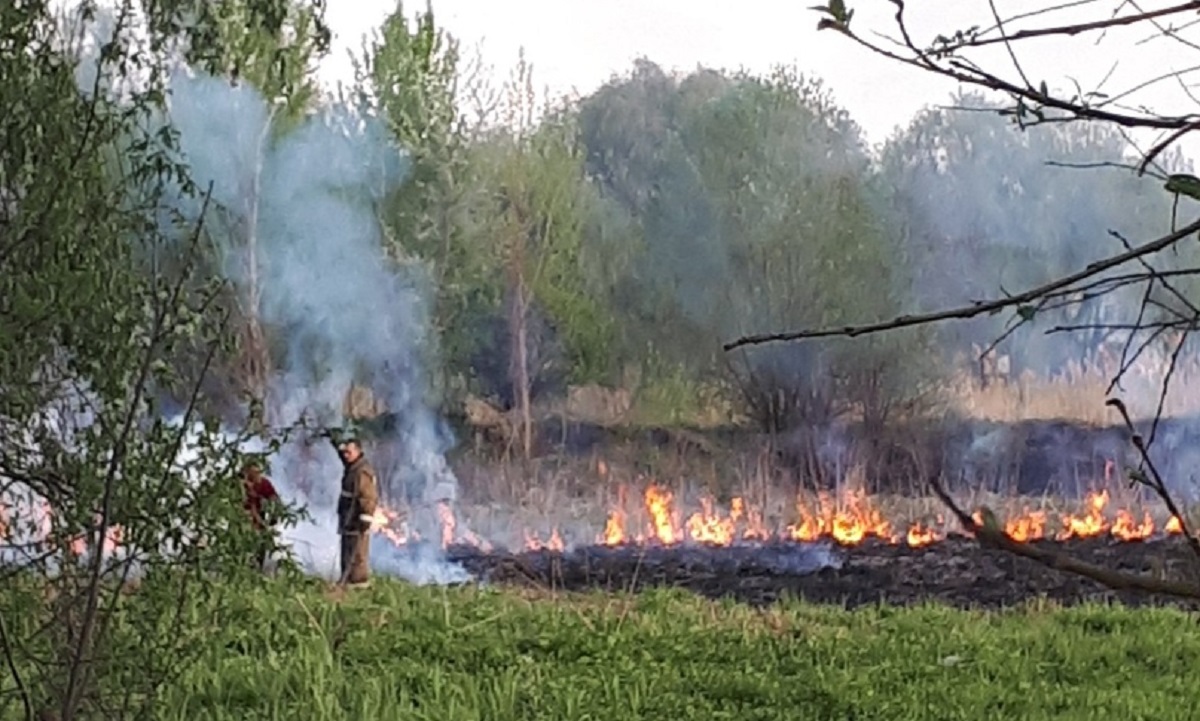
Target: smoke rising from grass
[(343, 310)]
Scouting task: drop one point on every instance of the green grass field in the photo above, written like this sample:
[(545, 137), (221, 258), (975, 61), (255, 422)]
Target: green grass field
[(394, 652)]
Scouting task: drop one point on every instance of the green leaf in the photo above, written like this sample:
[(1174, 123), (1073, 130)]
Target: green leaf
[(1026, 312), (1183, 184)]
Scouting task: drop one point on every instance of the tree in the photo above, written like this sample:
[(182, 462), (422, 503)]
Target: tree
[(541, 208), (1139, 264), (276, 56), (100, 286), (411, 74), (755, 205), (982, 205)]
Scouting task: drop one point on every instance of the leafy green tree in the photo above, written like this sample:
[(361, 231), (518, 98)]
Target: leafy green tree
[(411, 74), (270, 45), (91, 321), (755, 208), (541, 208)]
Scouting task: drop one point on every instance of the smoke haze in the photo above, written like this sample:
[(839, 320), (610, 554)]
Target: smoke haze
[(347, 312)]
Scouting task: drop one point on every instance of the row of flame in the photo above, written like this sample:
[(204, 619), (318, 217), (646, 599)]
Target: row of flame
[(849, 523)]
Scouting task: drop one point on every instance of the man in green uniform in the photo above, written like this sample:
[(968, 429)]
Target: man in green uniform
[(356, 509)]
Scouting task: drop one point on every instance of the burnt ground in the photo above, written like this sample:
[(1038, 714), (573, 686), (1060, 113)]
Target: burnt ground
[(956, 572)]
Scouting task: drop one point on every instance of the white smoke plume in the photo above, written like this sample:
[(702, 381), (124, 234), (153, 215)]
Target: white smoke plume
[(348, 311)]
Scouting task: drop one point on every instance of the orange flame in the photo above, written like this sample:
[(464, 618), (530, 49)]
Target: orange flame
[(849, 525), (1028, 526), (853, 521), (850, 520), (921, 535)]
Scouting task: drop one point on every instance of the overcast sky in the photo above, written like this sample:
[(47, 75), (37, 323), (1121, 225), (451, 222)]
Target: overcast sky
[(578, 44)]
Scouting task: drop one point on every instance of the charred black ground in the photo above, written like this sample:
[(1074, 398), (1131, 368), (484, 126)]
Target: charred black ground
[(956, 572)]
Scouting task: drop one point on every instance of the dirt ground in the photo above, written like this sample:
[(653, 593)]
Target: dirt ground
[(956, 572)]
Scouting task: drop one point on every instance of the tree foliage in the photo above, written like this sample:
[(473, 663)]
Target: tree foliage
[(102, 288), (755, 209)]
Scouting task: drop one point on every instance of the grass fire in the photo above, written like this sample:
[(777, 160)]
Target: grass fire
[(416, 386), (660, 520)]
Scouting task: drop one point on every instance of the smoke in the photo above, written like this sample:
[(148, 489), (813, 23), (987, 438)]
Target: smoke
[(346, 309), (993, 208)]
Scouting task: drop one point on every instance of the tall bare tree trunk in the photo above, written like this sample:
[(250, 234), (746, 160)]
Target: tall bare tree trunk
[(519, 368), (256, 355)]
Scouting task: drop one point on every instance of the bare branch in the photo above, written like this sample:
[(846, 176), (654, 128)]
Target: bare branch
[(1072, 29), (1161, 146), (977, 308), (942, 61), (1155, 481), (1008, 44), (996, 538)]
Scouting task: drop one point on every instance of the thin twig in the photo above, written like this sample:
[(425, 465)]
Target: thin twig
[(1072, 29), (979, 307), (14, 672), (1156, 482)]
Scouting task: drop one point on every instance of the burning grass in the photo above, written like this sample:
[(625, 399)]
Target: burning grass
[(657, 515), (395, 652)]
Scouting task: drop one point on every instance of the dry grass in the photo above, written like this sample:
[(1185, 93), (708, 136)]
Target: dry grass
[(506, 503), (502, 500), (1078, 394)]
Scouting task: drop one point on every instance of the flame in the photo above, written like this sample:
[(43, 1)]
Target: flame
[(710, 527), (921, 535), (854, 521), (1094, 523), (848, 520), (1090, 524), (553, 543), (662, 518), (614, 529), (1028, 526), (848, 525), (112, 541)]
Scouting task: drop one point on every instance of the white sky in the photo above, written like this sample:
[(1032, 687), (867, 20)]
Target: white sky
[(578, 44)]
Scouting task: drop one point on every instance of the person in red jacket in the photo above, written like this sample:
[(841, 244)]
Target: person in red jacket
[(257, 490)]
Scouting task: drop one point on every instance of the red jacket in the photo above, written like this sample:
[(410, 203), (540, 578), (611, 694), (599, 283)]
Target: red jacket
[(256, 493)]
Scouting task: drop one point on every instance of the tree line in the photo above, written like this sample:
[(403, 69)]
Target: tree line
[(620, 238)]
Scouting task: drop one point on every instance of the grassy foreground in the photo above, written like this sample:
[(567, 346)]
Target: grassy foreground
[(394, 652)]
